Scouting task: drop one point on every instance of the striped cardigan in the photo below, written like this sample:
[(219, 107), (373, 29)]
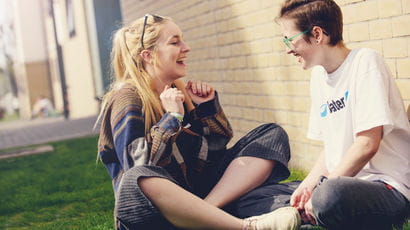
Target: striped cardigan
[(177, 147)]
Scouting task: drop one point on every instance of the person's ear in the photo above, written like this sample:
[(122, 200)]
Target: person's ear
[(317, 33), (146, 56)]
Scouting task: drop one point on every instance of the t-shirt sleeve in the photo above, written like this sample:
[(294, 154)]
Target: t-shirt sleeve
[(371, 102)]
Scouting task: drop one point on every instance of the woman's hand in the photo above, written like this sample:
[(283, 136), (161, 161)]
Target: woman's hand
[(301, 199), (308, 215), (172, 100), (200, 92)]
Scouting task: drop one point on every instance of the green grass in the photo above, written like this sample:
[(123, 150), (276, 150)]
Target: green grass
[(10, 117), (64, 189)]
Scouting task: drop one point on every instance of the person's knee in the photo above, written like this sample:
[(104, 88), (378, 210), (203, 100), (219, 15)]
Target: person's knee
[(278, 129), (152, 186), (328, 200)]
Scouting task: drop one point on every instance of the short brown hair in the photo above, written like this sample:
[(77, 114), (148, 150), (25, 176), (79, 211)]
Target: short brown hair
[(309, 13)]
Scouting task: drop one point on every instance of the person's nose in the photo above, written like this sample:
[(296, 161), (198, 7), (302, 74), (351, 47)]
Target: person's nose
[(289, 50), (185, 48)]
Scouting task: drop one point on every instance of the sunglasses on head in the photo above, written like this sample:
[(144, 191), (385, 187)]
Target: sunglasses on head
[(157, 18)]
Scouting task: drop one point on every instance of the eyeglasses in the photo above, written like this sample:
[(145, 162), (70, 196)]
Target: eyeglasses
[(157, 18), (287, 41)]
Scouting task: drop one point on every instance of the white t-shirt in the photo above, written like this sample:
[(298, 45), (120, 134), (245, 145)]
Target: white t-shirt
[(361, 94)]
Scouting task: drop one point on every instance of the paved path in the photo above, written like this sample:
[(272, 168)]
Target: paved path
[(30, 132)]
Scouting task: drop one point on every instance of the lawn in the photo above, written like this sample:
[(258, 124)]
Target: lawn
[(63, 189)]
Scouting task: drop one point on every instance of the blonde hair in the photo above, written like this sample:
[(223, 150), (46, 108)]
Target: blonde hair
[(128, 65)]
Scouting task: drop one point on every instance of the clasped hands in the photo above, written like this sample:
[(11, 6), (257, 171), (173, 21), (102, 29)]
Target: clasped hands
[(172, 99)]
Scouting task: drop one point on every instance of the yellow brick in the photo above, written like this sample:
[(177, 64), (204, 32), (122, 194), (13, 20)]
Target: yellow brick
[(261, 31), (259, 115), (273, 59), (280, 117), (297, 73), (208, 30), (404, 87), (224, 51), (278, 102), (298, 119), (244, 75), (287, 60), (406, 6), (276, 29), (367, 10), (237, 62), (346, 37), (256, 88), (363, 11), (268, 116), (376, 45), (298, 88), (270, 3), (261, 46), (234, 75), (300, 104), (408, 44), (243, 7), (349, 14), (394, 48), (238, 88), (403, 68), (263, 74), (278, 88), (222, 3), (359, 32), (263, 60), (248, 113), (380, 29), (222, 26), (388, 8), (277, 44), (260, 102), (401, 26), (261, 16), (391, 63), (280, 73), (295, 133)]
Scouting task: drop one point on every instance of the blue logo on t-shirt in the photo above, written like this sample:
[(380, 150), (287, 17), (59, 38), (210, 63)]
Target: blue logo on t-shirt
[(333, 105)]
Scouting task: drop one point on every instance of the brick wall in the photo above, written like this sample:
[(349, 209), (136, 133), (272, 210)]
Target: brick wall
[(236, 47)]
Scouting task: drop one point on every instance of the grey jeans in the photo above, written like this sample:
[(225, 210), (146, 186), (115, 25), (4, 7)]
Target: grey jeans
[(351, 203)]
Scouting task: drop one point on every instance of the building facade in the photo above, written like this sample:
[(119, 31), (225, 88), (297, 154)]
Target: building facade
[(237, 47), (63, 49)]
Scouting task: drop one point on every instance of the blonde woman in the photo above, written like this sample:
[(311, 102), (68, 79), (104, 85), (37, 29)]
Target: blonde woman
[(164, 144)]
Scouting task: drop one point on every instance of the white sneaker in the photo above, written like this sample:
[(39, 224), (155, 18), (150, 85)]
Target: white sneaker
[(286, 218)]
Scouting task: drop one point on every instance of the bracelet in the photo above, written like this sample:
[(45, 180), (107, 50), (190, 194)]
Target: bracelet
[(321, 179), (178, 116)]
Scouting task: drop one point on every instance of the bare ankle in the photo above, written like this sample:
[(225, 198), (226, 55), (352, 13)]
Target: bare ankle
[(249, 224)]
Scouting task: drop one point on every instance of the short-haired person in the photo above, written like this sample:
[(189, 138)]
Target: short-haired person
[(362, 178), (164, 144)]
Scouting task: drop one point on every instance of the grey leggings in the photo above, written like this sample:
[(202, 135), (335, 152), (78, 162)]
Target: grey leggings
[(350, 203)]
